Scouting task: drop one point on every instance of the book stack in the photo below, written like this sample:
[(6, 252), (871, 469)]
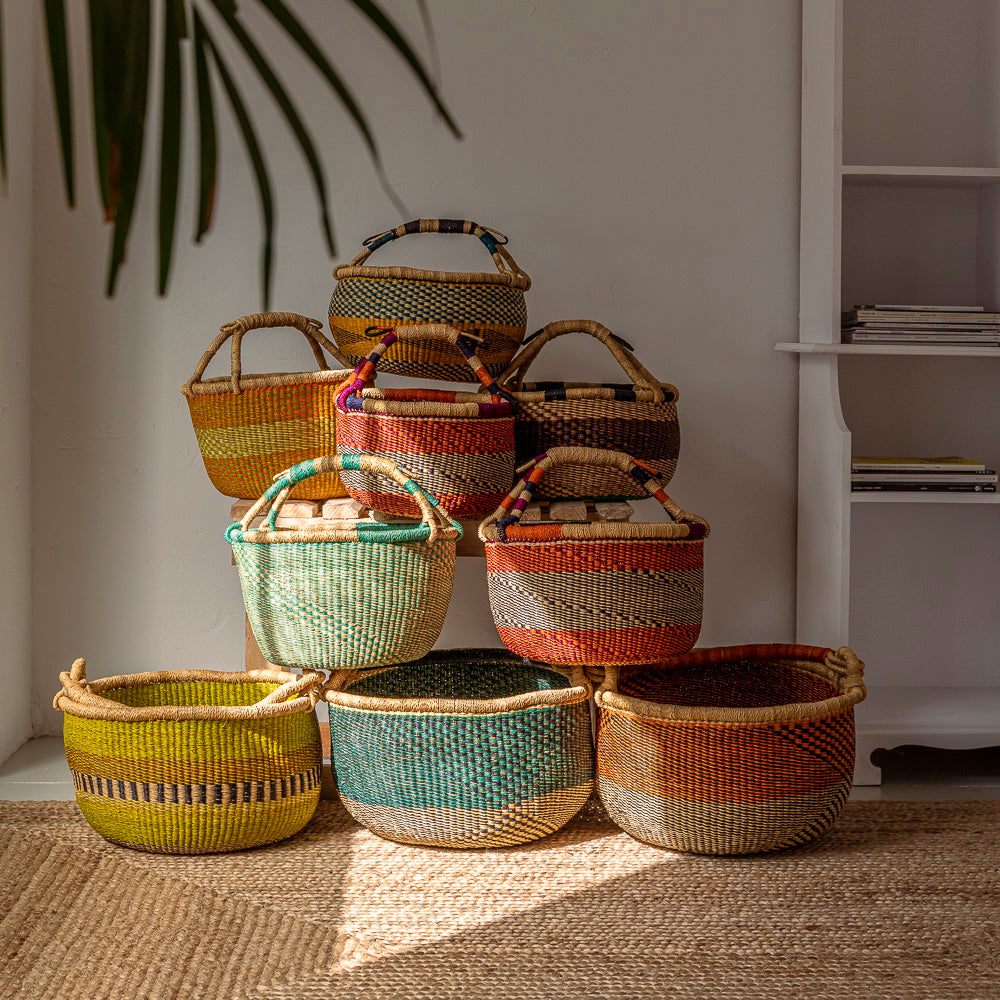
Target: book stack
[(913, 324), (944, 474)]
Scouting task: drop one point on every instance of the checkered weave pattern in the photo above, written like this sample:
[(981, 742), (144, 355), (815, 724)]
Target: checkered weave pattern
[(367, 300), (597, 593), (638, 418), (465, 748), (193, 762), (251, 427), (456, 444), (339, 597), (729, 750)]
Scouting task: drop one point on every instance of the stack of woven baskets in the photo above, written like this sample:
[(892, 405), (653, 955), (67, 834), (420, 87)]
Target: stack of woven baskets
[(731, 750)]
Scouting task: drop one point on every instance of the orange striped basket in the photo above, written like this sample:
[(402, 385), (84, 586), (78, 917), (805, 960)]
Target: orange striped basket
[(457, 445), (489, 305), (251, 427), (731, 750), (596, 593)]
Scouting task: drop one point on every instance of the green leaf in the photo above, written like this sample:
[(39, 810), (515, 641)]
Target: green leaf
[(129, 133), (101, 27), (208, 148), (255, 154), (291, 114), (3, 123), (375, 14), (55, 27), (170, 135)]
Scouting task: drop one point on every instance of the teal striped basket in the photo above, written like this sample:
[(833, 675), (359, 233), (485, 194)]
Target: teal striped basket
[(464, 748), (345, 597)]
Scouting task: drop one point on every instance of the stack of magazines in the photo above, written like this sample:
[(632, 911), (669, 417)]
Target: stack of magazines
[(911, 324), (944, 474)]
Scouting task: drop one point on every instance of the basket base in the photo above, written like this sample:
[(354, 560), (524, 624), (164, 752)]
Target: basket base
[(702, 827), (517, 823)]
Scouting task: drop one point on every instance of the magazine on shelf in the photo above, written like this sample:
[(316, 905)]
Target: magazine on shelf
[(908, 463), (888, 487), (909, 337), (928, 478), (945, 309), (897, 316)]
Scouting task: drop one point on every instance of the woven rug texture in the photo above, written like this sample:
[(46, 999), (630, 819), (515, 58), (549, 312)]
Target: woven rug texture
[(898, 900)]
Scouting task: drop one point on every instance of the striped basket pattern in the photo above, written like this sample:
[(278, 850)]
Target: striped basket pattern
[(456, 445), (638, 418), (490, 306), (729, 750), (595, 593), (355, 596), (193, 761), (251, 427), (464, 748)]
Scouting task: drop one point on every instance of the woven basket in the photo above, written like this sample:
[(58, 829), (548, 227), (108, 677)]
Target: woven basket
[(731, 750), (638, 418), (355, 596), (250, 427), (458, 447), (193, 761), (465, 748), (491, 306), (596, 593)]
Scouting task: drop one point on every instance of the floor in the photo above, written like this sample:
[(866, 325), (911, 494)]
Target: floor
[(38, 771)]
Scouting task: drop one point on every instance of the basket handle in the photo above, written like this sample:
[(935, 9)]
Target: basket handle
[(349, 397), (431, 512), (848, 669), (620, 351), (311, 329), (77, 691), (686, 525), (492, 239)]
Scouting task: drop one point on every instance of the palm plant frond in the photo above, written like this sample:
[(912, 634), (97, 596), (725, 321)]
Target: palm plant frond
[(121, 64)]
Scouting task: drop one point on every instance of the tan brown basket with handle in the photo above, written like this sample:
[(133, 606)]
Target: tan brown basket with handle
[(638, 417), (368, 301), (251, 427)]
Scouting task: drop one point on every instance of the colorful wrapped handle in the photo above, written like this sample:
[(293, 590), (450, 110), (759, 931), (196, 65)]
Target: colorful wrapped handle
[(497, 527), (349, 397), (434, 517), (641, 378), (492, 239), (238, 328)]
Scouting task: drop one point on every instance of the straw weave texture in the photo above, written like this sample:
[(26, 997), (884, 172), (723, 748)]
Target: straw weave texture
[(899, 901)]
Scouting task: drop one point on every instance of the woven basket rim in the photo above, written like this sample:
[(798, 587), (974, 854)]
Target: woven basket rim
[(590, 531), (222, 384), (583, 391), (421, 409), (580, 689), (84, 700), (519, 281), (841, 668)]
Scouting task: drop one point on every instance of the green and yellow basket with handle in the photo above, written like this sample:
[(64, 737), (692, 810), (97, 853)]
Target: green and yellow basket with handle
[(352, 595), (369, 300), (464, 748), (193, 761)]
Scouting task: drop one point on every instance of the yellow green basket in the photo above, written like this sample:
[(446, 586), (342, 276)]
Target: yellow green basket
[(193, 761)]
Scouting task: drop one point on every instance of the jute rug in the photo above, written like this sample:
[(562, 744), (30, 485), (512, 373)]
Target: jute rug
[(899, 900)]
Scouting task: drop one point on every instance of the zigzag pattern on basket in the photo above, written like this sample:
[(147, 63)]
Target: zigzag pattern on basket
[(218, 793)]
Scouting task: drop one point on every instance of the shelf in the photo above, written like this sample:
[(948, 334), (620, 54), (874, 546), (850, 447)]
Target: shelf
[(865, 176), (912, 350), (953, 718), (873, 496)]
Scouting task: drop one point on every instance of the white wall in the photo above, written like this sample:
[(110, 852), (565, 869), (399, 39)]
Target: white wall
[(643, 159), (15, 340)]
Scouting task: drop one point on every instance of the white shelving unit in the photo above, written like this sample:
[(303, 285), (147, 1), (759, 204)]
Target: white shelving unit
[(920, 84)]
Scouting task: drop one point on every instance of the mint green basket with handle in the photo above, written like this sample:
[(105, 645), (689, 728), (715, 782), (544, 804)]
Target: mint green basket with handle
[(345, 596)]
